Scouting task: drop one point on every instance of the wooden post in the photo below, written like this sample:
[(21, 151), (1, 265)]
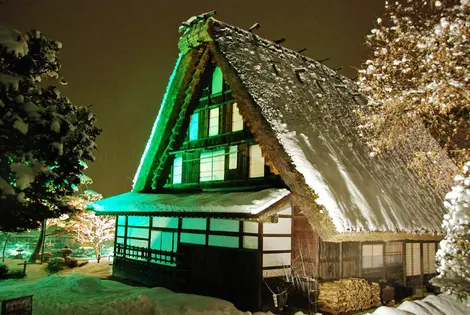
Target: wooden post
[(384, 261), (149, 254), (317, 256), (24, 268), (116, 222), (421, 263), (341, 260), (404, 262), (360, 260)]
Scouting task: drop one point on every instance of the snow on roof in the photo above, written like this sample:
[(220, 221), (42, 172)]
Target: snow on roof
[(13, 41), (230, 204), (309, 107)]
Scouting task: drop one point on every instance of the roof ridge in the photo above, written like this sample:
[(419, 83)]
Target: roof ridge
[(271, 44)]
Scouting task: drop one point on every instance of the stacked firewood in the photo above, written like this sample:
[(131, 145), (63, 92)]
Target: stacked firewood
[(348, 295)]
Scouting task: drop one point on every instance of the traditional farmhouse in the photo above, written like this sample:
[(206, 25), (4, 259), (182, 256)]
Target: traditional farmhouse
[(254, 170)]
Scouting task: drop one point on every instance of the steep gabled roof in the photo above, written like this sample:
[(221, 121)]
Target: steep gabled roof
[(301, 112)]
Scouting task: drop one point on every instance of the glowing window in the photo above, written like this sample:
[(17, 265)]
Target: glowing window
[(237, 119), (413, 259), (429, 258), (177, 170), (232, 162), (194, 127), (214, 121), (256, 162), (372, 256), (217, 81), (212, 166)]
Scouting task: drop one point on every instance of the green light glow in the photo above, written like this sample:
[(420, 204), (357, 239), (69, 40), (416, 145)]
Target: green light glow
[(217, 81), (147, 159), (194, 127)]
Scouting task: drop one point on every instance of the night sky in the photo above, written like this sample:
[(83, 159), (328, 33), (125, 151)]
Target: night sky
[(118, 55)]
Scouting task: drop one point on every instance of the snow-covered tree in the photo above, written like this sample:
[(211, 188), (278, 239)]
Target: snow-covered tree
[(453, 256), (43, 136), (418, 76), (90, 229)]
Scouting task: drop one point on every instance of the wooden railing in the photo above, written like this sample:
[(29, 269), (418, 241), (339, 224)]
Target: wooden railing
[(147, 254)]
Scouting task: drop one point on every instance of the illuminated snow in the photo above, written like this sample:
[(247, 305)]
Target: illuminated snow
[(247, 202), (78, 294), (312, 120)]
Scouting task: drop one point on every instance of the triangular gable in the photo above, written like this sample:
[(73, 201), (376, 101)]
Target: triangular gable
[(202, 90)]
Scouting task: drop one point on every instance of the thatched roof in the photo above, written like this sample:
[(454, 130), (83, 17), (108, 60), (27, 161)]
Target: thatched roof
[(301, 113)]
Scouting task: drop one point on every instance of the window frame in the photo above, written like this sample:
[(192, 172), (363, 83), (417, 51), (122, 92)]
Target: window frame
[(251, 169), (380, 253), (214, 173)]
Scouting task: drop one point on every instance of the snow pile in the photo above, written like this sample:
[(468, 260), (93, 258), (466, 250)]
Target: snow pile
[(80, 294), (430, 305), (453, 256)]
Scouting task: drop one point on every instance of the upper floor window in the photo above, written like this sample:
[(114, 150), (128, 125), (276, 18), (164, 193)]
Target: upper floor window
[(212, 165), (233, 157), (217, 81), (237, 119), (214, 121), (256, 161), (177, 169), (194, 127)]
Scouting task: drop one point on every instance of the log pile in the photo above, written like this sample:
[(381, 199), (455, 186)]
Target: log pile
[(347, 295)]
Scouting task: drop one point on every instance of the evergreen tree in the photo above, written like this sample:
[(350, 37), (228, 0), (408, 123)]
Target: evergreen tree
[(43, 136)]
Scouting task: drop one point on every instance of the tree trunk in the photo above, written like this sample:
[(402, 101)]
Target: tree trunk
[(98, 252), (37, 250), (4, 248)]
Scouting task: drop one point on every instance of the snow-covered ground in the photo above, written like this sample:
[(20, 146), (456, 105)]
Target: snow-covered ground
[(83, 291), (430, 305)]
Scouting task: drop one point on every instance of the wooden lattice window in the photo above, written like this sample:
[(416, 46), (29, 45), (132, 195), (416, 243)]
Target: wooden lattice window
[(212, 166), (214, 121), (233, 157), (393, 253), (177, 169), (413, 259), (429, 257), (256, 161), (372, 256), (237, 119)]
